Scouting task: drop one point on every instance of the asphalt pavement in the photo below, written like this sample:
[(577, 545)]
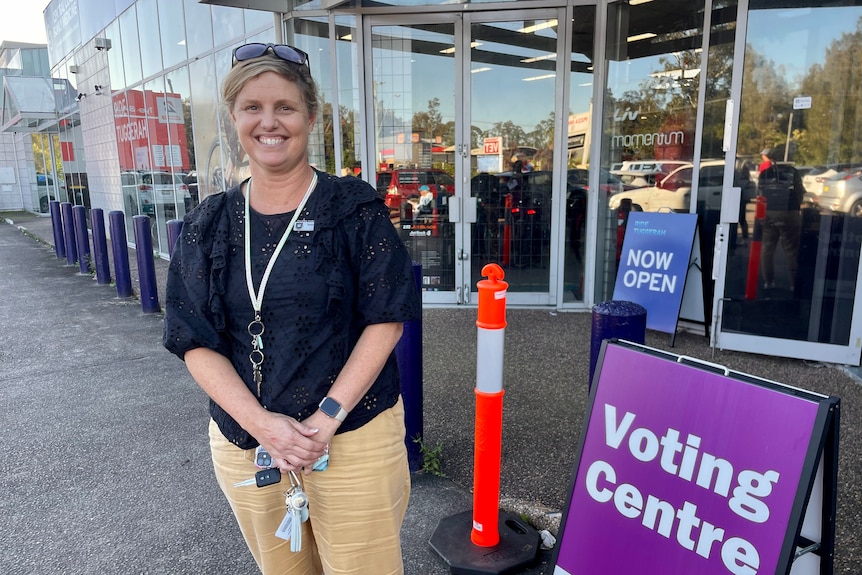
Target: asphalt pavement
[(106, 466)]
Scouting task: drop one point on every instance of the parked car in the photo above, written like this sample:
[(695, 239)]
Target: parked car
[(403, 184), (842, 193), (646, 173), (144, 190), (673, 193)]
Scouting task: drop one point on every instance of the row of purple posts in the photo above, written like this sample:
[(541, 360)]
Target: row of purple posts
[(72, 241)]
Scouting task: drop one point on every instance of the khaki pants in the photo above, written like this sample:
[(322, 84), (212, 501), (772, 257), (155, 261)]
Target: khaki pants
[(356, 507)]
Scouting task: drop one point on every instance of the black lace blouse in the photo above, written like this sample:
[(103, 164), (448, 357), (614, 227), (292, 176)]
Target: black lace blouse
[(343, 269)]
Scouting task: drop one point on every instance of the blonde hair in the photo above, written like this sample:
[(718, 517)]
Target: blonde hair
[(247, 70)]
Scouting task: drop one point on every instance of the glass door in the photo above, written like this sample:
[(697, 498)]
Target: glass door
[(463, 110), (789, 242), (511, 81), (413, 103)]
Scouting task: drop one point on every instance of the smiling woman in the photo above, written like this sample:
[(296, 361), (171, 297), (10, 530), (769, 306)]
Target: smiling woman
[(286, 297)]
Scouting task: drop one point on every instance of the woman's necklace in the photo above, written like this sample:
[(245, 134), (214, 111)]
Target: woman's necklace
[(256, 327)]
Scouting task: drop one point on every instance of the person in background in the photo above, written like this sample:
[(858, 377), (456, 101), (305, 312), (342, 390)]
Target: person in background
[(781, 187), (765, 160), (285, 298)]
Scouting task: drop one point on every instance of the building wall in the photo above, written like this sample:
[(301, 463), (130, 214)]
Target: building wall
[(97, 127)]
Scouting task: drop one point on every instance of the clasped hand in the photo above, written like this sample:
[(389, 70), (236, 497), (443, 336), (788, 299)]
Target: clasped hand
[(294, 445)]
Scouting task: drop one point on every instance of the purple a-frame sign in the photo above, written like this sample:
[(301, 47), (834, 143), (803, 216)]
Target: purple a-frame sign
[(687, 468)]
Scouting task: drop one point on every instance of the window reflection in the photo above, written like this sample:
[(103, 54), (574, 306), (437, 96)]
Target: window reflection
[(312, 36), (116, 71), (798, 108), (151, 46), (199, 31), (349, 113), (650, 109), (131, 49), (227, 23), (578, 195), (204, 97), (172, 28)]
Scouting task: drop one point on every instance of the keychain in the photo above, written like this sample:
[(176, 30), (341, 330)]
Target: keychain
[(296, 502)]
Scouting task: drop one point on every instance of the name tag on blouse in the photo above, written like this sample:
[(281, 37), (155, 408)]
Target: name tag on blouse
[(304, 226)]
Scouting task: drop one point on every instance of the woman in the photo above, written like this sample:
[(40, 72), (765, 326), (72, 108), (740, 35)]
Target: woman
[(286, 296)]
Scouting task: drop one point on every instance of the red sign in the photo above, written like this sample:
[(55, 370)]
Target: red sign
[(491, 146), (151, 132)]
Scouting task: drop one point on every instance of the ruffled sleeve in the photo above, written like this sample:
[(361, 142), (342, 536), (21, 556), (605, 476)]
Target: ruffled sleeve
[(382, 272), (194, 298)]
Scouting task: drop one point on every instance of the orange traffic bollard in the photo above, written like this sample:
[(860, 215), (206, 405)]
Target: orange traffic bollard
[(491, 325), (754, 253), (500, 542)]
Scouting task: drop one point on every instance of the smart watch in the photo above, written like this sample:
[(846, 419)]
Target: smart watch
[(332, 408)]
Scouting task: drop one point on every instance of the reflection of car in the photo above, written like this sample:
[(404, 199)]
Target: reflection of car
[(403, 184), (48, 192), (843, 193), (673, 193), (815, 178), (646, 173), (143, 191)]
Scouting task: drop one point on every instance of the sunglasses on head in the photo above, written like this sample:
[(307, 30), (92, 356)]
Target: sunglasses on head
[(282, 51)]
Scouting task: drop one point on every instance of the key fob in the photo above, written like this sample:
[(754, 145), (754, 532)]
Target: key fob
[(266, 477), (262, 458)]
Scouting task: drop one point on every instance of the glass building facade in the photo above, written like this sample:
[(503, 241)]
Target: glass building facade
[(519, 133)]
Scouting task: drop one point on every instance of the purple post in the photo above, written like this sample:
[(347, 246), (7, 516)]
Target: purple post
[(82, 238), (57, 226), (146, 266), (175, 228), (69, 233), (615, 319), (100, 247), (408, 352), (120, 250)]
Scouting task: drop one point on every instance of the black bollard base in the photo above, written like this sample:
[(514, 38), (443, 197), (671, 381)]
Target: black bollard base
[(518, 546)]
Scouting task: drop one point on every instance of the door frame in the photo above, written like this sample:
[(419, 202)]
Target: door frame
[(843, 354), (462, 211)]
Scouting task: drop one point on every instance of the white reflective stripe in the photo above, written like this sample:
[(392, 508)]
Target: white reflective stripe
[(489, 360)]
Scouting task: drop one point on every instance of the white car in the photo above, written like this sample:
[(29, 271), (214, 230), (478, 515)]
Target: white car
[(645, 173), (143, 191), (842, 193), (673, 193)]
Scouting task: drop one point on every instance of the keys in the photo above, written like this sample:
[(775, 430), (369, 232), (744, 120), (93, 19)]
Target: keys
[(262, 478), (296, 502), (256, 357)]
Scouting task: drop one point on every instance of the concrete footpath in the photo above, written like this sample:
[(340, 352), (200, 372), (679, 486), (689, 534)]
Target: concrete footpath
[(106, 469)]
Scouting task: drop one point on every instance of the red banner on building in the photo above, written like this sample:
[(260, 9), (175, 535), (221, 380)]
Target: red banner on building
[(151, 131)]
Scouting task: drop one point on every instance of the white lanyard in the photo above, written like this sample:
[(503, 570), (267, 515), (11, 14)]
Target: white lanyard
[(257, 299), (255, 327)]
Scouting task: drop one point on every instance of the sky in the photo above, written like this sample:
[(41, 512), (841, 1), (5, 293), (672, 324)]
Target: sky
[(22, 21)]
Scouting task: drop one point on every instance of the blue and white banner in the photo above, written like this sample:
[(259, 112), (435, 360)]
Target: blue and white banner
[(654, 263)]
